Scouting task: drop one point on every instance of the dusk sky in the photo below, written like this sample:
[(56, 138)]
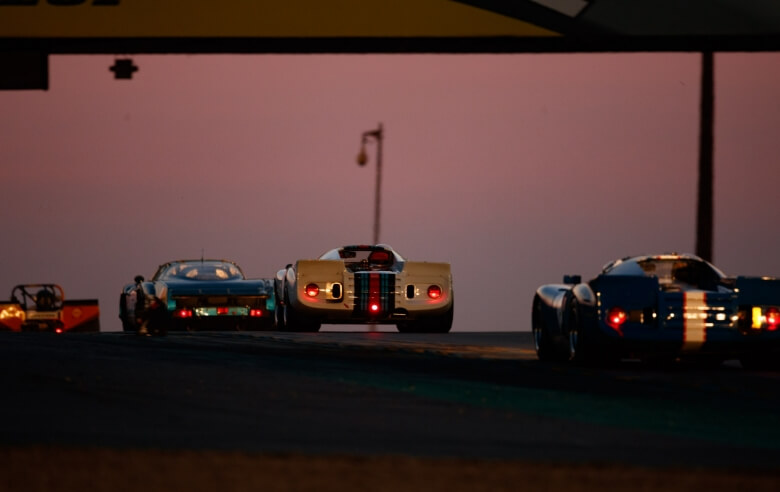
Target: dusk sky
[(516, 169)]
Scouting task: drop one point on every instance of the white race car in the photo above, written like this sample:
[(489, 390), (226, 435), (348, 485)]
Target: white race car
[(364, 284)]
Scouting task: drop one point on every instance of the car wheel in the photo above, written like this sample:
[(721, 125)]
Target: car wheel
[(279, 317), (574, 342), (294, 321), (288, 318), (408, 327), (581, 349), (543, 342), (439, 324), (127, 326), (577, 349)]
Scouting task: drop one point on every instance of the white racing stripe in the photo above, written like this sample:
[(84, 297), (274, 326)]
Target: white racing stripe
[(694, 327), (572, 8)]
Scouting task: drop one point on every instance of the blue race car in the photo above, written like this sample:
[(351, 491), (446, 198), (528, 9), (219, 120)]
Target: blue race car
[(197, 295), (659, 308)]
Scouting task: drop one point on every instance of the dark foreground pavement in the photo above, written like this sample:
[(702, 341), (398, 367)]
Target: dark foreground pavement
[(369, 411)]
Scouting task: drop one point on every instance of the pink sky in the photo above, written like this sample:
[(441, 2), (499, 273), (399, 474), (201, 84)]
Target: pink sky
[(516, 169)]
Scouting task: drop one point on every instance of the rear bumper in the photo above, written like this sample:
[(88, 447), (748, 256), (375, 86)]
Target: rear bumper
[(221, 323), (341, 313), (725, 342)]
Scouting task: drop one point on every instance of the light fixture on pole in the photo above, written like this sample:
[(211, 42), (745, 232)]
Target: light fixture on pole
[(362, 159)]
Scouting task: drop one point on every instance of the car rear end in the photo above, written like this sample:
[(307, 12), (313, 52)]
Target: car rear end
[(327, 290), (700, 321), (758, 299), (223, 307), (639, 318), (74, 316)]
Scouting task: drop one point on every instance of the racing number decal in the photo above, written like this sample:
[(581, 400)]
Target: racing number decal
[(61, 3), (694, 321)]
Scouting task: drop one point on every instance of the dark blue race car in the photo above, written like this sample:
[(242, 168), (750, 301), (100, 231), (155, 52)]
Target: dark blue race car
[(197, 295), (659, 308)]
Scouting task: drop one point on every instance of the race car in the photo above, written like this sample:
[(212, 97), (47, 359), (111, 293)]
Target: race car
[(668, 307), (364, 284), (196, 295), (43, 308)]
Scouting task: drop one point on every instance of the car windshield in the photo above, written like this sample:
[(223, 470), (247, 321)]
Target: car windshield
[(364, 258), (201, 270), (681, 272)]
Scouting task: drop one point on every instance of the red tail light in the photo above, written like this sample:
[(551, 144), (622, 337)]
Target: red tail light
[(222, 310), (255, 313), (616, 316), (182, 313), (58, 330), (434, 292), (374, 307), (772, 318), (312, 290)]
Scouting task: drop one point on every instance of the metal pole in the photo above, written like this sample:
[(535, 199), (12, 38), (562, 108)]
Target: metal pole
[(362, 159), (704, 216), (378, 192)]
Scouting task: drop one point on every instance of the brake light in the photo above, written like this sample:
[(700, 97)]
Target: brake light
[(58, 330), (182, 313), (312, 290), (434, 292), (255, 313), (616, 316), (772, 318), (374, 307), (12, 312), (222, 310)]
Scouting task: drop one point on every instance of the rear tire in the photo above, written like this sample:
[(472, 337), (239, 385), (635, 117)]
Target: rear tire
[(441, 323), (578, 349), (546, 350), (279, 317), (295, 321), (127, 324), (582, 349)]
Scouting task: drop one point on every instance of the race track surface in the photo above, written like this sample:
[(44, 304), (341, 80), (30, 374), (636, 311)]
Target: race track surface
[(370, 411)]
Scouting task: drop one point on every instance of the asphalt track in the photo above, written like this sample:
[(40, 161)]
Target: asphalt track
[(106, 410)]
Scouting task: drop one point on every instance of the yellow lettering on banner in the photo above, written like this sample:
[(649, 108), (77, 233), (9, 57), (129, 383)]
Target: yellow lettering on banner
[(257, 18)]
